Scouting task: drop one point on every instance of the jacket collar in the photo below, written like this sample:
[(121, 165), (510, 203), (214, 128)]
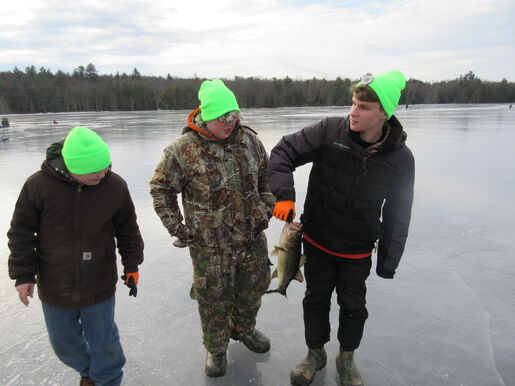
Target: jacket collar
[(393, 137), (54, 163)]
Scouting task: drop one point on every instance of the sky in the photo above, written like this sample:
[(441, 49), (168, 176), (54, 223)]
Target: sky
[(429, 40)]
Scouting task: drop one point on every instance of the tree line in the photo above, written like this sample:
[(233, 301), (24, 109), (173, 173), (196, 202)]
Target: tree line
[(41, 90)]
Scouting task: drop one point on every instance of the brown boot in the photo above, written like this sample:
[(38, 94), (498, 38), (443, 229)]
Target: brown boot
[(216, 364), (255, 341), (304, 372), (349, 373), (86, 381)]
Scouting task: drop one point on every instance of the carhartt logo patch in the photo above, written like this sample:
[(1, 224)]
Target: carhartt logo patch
[(86, 255)]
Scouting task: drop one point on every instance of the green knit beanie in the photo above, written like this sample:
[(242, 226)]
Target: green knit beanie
[(216, 100), (388, 87), (84, 151)]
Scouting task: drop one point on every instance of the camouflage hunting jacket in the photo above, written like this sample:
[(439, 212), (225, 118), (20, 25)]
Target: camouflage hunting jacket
[(223, 184)]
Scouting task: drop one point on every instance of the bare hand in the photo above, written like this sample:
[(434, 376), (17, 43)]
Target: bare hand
[(24, 291)]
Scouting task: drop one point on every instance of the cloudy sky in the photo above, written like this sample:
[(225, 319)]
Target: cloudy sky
[(429, 40)]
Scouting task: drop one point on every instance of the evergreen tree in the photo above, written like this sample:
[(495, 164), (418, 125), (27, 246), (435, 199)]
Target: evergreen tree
[(40, 90)]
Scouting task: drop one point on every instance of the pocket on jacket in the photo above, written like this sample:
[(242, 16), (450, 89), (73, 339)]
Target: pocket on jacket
[(56, 268), (207, 274), (199, 284), (96, 264)]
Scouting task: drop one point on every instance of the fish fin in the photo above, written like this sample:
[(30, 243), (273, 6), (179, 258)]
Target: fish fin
[(276, 291), (299, 276), (274, 274), (302, 261)]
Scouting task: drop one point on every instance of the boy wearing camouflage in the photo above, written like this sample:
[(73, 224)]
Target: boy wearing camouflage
[(219, 168)]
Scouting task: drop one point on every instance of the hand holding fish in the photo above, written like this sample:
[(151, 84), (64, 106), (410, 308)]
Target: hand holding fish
[(284, 210)]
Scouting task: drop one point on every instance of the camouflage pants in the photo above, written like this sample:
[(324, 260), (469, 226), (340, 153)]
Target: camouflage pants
[(228, 285)]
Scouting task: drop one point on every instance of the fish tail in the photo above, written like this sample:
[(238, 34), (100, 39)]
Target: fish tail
[(276, 291)]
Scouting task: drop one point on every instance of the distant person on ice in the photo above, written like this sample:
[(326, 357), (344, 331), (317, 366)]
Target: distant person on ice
[(68, 220), (360, 191), (219, 168)]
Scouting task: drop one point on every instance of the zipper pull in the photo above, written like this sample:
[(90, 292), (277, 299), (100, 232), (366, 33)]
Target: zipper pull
[(365, 166)]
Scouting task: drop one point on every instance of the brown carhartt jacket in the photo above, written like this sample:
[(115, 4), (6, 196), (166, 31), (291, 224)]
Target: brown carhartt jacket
[(64, 235)]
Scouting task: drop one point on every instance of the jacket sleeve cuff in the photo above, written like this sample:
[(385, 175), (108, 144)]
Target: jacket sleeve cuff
[(130, 269), (25, 280), (384, 274)]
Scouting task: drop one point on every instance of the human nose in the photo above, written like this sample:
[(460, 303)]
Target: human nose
[(353, 110)]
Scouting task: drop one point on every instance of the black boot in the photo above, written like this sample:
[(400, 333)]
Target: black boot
[(304, 372), (346, 366), (255, 341), (216, 364), (86, 381)]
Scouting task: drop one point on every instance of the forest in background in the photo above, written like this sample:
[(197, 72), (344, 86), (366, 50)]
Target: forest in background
[(41, 91)]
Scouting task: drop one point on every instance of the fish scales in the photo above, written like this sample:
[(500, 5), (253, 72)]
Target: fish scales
[(289, 257)]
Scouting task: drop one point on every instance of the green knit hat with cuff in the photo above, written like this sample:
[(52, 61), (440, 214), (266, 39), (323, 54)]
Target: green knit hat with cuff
[(216, 100), (85, 152), (388, 87)]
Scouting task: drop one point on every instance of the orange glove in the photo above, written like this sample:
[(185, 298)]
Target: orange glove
[(284, 210), (131, 281)]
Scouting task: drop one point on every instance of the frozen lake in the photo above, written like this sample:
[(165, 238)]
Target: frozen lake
[(448, 317)]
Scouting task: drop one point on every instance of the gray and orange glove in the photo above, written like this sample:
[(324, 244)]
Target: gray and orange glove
[(284, 210), (131, 281)]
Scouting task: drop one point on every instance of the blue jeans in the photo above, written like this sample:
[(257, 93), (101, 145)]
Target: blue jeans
[(87, 340)]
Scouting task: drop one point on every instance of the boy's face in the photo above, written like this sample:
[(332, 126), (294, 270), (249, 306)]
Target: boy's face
[(221, 130), (91, 178), (366, 116)]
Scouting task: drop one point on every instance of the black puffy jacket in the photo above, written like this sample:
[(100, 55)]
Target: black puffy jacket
[(355, 196), (65, 235)]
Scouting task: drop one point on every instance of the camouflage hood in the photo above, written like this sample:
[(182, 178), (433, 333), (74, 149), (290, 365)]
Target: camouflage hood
[(194, 122)]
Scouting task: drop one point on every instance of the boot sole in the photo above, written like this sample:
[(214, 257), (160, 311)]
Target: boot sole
[(215, 375), (258, 351), (300, 381)]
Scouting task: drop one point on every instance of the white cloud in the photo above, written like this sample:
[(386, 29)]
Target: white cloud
[(427, 40)]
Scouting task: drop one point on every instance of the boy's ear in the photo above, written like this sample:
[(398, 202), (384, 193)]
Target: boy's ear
[(384, 112)]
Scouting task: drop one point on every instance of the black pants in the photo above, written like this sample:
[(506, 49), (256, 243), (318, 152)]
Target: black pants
[(348, 277)]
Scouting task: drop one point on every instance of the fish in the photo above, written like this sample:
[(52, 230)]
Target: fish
[(289, 257)]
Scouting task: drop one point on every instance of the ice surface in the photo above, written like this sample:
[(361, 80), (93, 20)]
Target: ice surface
[(446, 319)]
